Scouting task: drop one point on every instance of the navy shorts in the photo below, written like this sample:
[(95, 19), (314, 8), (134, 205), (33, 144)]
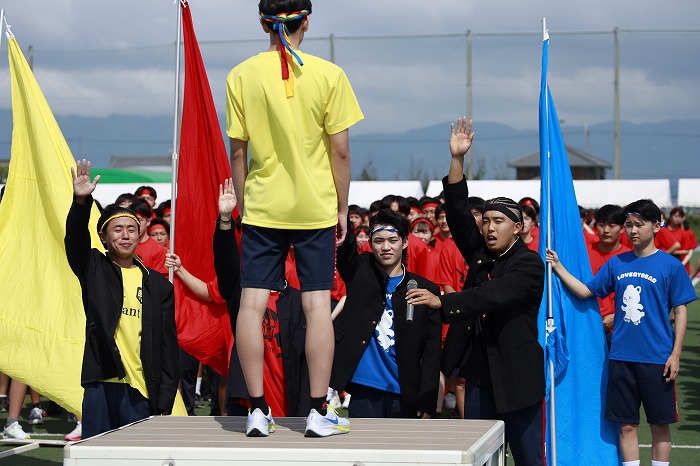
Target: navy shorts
[(264, 252), (633, 383)]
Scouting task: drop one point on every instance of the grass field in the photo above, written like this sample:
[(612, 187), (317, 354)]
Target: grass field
[(685, 434)]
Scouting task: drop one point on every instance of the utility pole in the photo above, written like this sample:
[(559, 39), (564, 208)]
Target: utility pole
[(617, 104), (470, 102)]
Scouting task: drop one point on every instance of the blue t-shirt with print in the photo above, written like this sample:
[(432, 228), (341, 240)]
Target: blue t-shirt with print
[(378, 368), (646, 289)]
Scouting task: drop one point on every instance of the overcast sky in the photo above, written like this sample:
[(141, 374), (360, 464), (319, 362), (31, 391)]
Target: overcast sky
[(96, 57)]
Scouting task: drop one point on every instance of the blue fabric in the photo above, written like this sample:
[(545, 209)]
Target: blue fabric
[(646, 289), (378, 368), (576, 345)]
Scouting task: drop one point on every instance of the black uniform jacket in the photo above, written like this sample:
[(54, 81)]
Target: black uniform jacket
[(103, 296), (496, 313), (417, 343), (291, 324)]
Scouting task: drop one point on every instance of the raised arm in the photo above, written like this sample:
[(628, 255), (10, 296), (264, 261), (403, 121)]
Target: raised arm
[(227, 262), (460, 143), (77, 240), (571, 282)]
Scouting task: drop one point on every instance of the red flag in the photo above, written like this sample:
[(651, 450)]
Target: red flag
[(204, 329)]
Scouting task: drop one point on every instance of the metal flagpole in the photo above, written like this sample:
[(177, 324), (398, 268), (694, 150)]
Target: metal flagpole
[(176, 134), (2, 21), (550, 313)]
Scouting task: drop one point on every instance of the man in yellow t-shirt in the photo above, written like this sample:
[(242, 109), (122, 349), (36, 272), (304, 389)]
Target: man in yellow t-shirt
[(295, 191)]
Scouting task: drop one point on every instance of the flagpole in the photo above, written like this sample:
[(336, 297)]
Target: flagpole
[(176, 128), (2, 21), (550, 311)]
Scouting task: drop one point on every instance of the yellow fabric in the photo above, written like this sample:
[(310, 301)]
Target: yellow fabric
[(128, 333), (42, 322), (289, 184)]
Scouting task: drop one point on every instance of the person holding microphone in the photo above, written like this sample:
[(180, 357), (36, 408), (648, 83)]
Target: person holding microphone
[(387, 351)]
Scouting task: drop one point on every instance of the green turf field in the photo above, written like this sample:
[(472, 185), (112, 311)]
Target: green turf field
[(685, 434)]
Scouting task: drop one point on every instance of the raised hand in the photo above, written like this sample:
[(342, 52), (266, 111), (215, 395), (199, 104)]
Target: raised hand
[(82, 186), (461, 139), (227, 199)]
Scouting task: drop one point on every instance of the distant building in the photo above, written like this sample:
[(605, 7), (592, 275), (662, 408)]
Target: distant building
[(584, 166), (129, 162)]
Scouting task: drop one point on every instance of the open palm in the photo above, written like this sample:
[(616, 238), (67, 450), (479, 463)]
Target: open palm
[(461, 138), (227, 197), (82, 186)]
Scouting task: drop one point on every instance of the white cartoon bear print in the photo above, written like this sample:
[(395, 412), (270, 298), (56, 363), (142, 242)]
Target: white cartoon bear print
[(631, 304)]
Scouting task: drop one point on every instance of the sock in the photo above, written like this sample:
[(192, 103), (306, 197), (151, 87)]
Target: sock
[(630, 463), (198, 386), (259, 402), (659, 463), (10, 421), (319, 404)]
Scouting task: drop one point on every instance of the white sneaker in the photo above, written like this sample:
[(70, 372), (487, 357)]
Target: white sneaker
[(325, 426), (15, 431), (258, 424), (450, 401), (36, 416), (76, 434), (334, 402), (346, 401)]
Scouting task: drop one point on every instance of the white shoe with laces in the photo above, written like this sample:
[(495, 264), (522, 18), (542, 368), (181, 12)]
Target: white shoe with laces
[(259, 424), (325, 426), (15, 431), (36, 416)]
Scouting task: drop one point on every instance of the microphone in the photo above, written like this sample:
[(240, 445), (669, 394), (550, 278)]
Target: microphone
[(412, 285)]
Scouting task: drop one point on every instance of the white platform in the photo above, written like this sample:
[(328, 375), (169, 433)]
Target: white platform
[(202, 441)]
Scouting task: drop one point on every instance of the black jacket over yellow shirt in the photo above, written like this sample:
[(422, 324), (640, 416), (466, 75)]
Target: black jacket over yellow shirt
[(103, 295)]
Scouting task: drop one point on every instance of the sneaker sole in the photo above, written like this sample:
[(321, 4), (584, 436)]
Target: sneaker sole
[(326, 433)]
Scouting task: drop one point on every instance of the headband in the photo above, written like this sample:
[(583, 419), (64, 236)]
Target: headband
[(430, 204), (121, 214), (148, 191), (643, 216), (156, 226), (383, 228), (280, 27), (414, 208), (422, 220), (166, 211), (505, 206)]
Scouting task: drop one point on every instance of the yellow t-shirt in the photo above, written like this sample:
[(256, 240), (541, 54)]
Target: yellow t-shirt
[(128, 333), (290, 181)]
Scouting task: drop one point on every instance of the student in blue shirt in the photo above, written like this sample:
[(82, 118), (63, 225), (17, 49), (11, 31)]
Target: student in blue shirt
[(645, 349)]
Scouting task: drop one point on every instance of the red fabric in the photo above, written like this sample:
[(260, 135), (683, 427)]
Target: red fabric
[(204, 329), (535, 233), (532, 245), (664, 239), (590, 238), (598, 258), (417, 255), (338, 290), (625, 240), (152, 254), (290, 271), (452, 268), (274, 384), (690, 242)]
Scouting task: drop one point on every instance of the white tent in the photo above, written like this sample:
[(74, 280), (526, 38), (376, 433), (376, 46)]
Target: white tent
[(689, 192), (589, 193)]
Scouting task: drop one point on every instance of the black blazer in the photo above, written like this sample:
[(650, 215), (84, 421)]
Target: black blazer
[(103, 292), (417, 343), (498, 306), (292, 325)]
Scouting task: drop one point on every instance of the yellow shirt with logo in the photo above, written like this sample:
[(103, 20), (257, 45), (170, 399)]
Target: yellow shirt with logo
[(290, 183), (128, 333)]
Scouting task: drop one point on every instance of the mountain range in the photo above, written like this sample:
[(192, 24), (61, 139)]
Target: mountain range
[(665, 149)]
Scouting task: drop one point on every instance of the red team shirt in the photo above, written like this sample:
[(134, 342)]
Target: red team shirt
[(597, 258), (152, 254)]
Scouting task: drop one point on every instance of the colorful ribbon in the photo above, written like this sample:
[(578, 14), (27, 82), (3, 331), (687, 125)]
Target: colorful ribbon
[(280, 27)]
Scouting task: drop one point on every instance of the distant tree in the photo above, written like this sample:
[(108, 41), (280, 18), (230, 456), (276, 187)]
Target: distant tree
[(480, 172), (4, 167), (368, 173)]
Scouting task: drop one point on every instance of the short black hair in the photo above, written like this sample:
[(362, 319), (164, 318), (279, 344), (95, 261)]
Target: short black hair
[(528, 210), (441, 209), (377, 205), (610, 214), (126, 197), (110, 211), (162, 206), (475, 202), (645, 208), (142, 208), (160, 221), (391, 218), (275, 7), (141, 189), (355, 209)]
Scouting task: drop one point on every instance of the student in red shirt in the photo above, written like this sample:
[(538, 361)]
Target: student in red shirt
[(685, 237), (152, 253), (609, 221), (529, 217), (423, 229)]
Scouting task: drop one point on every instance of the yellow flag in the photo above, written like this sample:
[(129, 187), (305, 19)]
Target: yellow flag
[(42, 322)]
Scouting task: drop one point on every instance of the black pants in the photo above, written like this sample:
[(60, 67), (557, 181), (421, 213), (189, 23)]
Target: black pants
[(110, 405), (374, 403), (524, 427)]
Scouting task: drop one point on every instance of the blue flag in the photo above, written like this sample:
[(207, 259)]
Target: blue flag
[(574, 340)]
